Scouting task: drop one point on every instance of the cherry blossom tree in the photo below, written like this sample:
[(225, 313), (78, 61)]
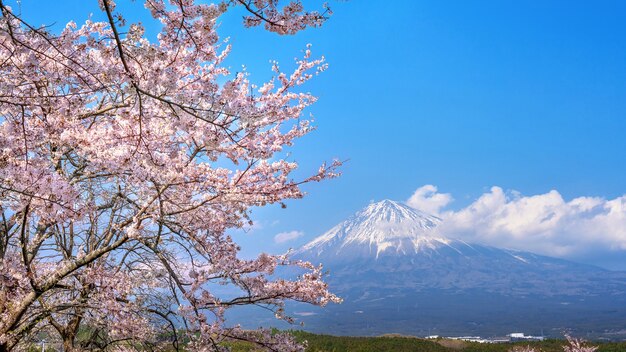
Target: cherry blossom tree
[(577, 345), (123, 163)]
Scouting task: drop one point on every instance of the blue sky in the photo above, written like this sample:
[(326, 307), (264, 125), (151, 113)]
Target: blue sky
[(465, 95)]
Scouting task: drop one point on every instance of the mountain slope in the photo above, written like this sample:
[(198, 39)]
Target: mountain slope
[(389, 244), (390, 255)]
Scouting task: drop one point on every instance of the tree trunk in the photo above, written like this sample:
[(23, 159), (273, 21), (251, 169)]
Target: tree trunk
[(68, 344)]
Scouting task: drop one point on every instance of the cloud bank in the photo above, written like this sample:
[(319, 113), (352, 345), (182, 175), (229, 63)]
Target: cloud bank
[(287, 236), (543, 223)]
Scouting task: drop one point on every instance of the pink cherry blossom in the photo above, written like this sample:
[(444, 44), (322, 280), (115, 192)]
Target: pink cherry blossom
[(123, 163)]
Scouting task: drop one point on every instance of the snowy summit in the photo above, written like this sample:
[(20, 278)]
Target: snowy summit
[(384, 227)]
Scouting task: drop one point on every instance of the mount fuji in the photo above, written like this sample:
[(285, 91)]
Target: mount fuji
[(398, 274), (384, 228)]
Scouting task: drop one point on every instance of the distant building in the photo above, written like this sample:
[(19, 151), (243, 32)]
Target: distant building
[(471, 339), (500, 339), (519, 336)]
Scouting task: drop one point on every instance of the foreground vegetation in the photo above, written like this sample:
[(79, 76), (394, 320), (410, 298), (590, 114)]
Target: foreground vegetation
[(328, 343), (386, 343)]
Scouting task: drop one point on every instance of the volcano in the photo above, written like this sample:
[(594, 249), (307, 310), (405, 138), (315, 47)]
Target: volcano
[(398, 274)]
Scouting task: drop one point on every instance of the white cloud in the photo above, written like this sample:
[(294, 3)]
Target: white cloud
[(427, 199), (287, 236), (543, 223)]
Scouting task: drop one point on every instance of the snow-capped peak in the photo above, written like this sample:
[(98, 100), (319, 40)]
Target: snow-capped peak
[(385, 226)]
